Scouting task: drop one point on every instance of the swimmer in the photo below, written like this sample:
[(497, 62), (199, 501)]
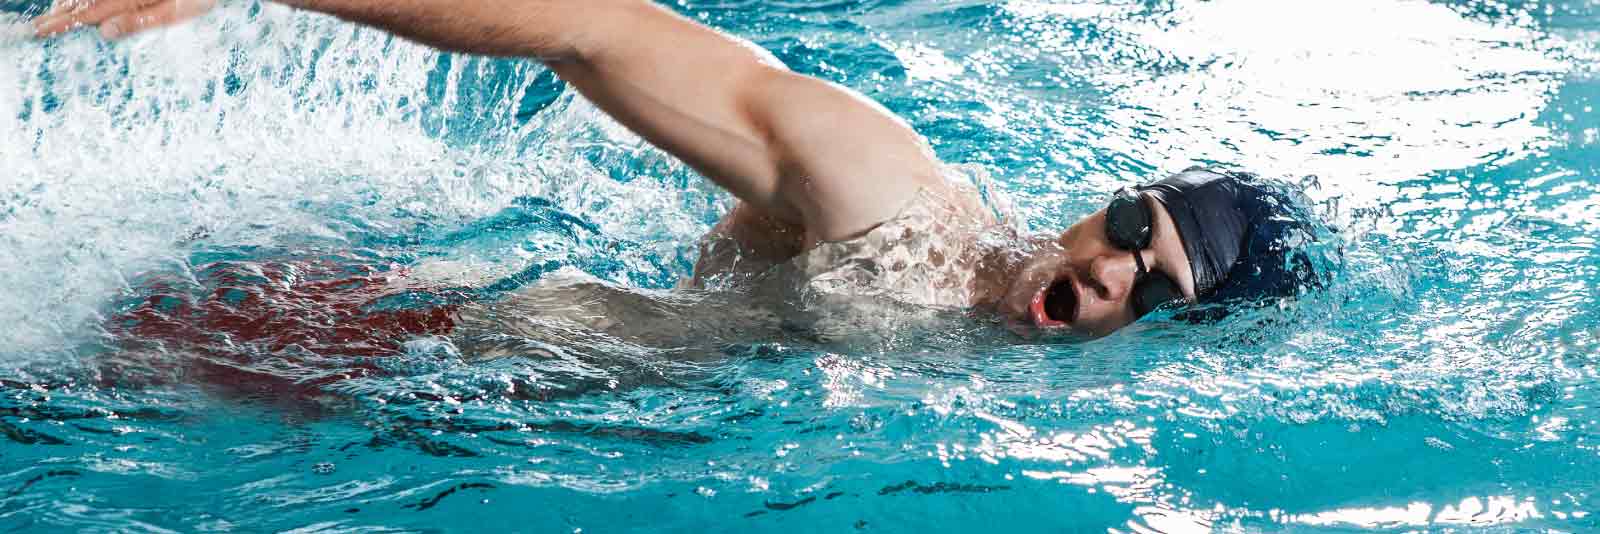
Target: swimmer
[(833, 188)]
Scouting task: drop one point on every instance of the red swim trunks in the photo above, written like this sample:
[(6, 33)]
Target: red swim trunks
[(265, 326)]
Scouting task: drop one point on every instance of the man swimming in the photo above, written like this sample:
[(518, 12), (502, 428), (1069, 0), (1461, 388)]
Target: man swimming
[(836, 194)]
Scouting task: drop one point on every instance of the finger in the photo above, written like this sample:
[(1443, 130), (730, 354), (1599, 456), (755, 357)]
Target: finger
[(49, 25), (62, 6), (57, 9), (163, 14), (87, 14), (75, 13), (65, 6)]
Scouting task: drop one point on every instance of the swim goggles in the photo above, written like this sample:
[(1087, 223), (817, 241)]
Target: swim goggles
[(1129, 226)]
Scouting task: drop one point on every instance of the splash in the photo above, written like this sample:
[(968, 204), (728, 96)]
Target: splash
[(250, 126)]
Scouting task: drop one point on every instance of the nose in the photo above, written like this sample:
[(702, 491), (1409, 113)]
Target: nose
[(1113, 275)]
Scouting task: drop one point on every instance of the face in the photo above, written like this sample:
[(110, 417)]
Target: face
[(1100, 276)]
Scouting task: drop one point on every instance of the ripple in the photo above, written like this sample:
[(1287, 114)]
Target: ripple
[(225, 252)]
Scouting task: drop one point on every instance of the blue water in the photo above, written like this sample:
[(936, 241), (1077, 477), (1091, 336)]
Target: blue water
[(1447, 379)]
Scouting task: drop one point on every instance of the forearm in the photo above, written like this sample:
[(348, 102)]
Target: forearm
[(543, 29)]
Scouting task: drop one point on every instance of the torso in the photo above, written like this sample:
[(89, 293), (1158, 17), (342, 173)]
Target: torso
[(931, 254), (915, 272)]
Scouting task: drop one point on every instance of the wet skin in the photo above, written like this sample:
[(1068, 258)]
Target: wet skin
[(1100, 275), (794, 149)]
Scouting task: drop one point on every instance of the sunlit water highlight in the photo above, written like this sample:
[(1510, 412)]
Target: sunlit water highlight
[(1447, 379)]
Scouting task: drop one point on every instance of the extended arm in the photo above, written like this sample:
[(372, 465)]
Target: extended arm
[(798, 150)]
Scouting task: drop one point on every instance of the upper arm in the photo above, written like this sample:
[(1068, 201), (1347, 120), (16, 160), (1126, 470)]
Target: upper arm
[(798, 149), (845, 161)]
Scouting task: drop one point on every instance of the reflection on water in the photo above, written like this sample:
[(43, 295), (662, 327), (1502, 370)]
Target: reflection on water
[(1367, 93), (260, 161)]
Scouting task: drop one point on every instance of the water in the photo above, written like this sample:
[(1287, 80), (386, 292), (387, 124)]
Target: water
[(1447, 380)]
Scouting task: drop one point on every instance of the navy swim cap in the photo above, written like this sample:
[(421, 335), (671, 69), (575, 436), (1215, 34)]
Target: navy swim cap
[(1241, 237)]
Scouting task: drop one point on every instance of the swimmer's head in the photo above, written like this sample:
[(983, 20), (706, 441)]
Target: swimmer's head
[(1201, 236)]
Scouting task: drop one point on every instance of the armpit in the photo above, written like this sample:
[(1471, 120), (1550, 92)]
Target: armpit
[(744, 244)]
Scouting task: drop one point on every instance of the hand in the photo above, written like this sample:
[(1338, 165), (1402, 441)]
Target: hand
[(117, 18)]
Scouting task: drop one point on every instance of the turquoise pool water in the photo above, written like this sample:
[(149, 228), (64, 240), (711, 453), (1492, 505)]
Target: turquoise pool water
[(185, 215)]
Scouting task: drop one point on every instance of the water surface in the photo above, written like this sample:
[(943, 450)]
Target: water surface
[(1447, 379)]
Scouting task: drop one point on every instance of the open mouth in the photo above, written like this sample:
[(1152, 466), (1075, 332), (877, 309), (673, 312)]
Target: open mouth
[(1055, 306)]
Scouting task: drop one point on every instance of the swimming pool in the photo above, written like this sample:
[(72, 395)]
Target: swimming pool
[(1447, 379)]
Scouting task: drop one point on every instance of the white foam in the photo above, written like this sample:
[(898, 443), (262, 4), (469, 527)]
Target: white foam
[(14, 29), (115, 155)]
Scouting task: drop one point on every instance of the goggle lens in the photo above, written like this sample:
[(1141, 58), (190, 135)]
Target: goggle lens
[(1154, 291), (1129, 226), (1128, 221)]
